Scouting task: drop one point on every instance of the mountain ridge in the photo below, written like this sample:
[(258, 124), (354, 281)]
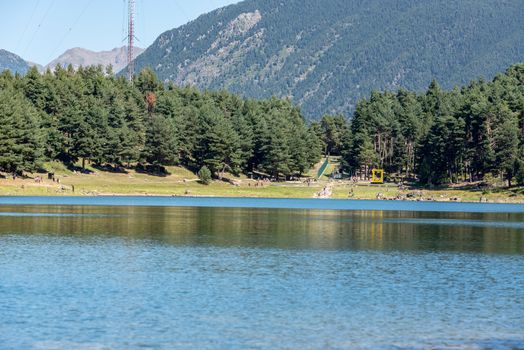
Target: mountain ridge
[(79, 56), (327, 55), (12, 62), (76, 56)]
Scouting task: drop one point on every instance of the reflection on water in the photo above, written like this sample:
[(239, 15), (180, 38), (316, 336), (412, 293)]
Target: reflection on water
[(278, 228), (81, 277)]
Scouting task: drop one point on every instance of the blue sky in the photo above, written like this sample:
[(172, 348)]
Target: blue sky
[(41, 30)]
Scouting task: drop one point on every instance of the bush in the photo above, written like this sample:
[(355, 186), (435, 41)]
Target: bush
[(204, 174), (492, 181)]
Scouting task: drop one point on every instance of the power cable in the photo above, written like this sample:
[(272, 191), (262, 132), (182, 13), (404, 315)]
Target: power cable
[(124, 19), (66, 34), (39, 26), (179, 7), (27, 25)]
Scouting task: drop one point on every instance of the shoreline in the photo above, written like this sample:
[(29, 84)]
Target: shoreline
[(211, 196), (427, 196), (181, 183), (262, 203)]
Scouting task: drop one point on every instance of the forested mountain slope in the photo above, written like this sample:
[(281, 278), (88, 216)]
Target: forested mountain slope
[(12, 62), (327, 54)]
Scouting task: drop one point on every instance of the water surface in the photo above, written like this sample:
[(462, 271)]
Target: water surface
[(275, 203), (164, 277)]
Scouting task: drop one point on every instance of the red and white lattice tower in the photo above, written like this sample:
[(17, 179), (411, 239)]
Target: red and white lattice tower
[(130, 39)]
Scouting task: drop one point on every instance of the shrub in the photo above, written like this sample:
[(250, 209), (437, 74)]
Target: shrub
[(204, 174)]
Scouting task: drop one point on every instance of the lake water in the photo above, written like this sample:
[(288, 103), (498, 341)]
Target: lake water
[(169, 273)]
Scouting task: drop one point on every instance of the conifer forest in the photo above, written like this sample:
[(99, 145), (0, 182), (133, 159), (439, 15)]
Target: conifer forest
[(90, 115)]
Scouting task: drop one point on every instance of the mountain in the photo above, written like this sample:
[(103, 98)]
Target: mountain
[(14, 63), (39, 67), (82, 57), (327, 54)]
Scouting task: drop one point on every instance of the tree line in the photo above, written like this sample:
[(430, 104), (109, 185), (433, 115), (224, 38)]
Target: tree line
[(89, 115), (436, 136)]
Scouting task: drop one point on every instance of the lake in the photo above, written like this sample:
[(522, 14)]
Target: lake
[(214, 273)]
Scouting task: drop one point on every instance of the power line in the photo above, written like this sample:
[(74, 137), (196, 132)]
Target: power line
[(28, 24), (124, 21), (39, 26), (179, 7), (141, 18), (54, 52)]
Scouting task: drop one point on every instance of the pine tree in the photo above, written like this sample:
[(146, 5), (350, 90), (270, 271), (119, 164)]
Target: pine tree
[(315, 146), (219, 146), (506, 147), (161, 143), (333, 129), (276, 154), (442, 151), (20, 142)]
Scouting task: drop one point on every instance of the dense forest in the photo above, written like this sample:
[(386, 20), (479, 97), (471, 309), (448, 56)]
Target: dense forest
[(466, 134), (326, 55), (88, 115)]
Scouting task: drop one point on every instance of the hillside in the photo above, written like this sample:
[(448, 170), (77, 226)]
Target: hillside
[(327, 54), (14, 63), (82, 57)]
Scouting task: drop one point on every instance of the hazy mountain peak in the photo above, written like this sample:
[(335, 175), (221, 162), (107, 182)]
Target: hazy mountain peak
[(78, 56)]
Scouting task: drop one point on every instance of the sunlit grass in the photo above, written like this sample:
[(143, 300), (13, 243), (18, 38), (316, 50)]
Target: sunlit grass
[(182, 182)]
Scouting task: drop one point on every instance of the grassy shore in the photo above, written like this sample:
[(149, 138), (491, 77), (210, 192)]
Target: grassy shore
[(181, 182)]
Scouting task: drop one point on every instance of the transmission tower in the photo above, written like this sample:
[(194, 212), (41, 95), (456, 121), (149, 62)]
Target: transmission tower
[(130, 39)]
